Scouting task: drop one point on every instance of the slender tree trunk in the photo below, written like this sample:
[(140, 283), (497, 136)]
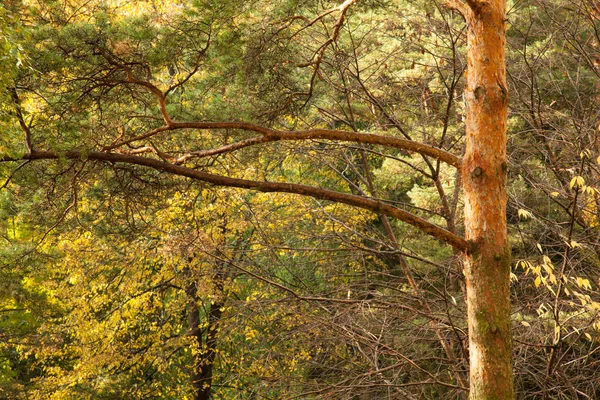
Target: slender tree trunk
[(487, 266), (202, 372)]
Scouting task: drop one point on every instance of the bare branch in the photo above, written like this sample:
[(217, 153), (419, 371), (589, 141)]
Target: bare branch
[(272, 135), (223, 149)]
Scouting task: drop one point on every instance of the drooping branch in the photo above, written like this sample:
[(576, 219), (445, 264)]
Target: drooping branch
[(366, 203), (273, 135), (160, 96), (132, 79)]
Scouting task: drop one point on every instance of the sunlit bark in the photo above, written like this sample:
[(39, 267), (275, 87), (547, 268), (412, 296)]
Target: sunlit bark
[(487, 266)]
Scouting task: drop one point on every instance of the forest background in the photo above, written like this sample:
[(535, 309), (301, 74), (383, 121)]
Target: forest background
[(132, 267)]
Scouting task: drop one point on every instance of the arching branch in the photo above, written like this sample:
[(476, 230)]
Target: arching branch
[(273, 135), (366, 203)]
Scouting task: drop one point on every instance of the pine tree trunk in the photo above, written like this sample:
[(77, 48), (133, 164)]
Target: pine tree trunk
[(487, 267)]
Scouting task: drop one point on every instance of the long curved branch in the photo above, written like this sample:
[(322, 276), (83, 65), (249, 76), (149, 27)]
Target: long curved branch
[(366, 203), (273, 135)]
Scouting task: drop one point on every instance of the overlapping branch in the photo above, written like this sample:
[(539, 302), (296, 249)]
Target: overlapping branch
[(273, 135)]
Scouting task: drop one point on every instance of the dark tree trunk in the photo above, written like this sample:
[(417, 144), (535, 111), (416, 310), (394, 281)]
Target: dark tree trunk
[(207, 340)]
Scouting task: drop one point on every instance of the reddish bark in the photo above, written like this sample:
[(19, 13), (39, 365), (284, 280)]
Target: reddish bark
[(487, 266)]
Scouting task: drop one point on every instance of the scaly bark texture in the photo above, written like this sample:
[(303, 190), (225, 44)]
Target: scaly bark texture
[(487, 265)]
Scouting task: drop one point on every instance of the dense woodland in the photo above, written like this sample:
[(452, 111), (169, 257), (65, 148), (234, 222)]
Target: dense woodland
[(235, 199)]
